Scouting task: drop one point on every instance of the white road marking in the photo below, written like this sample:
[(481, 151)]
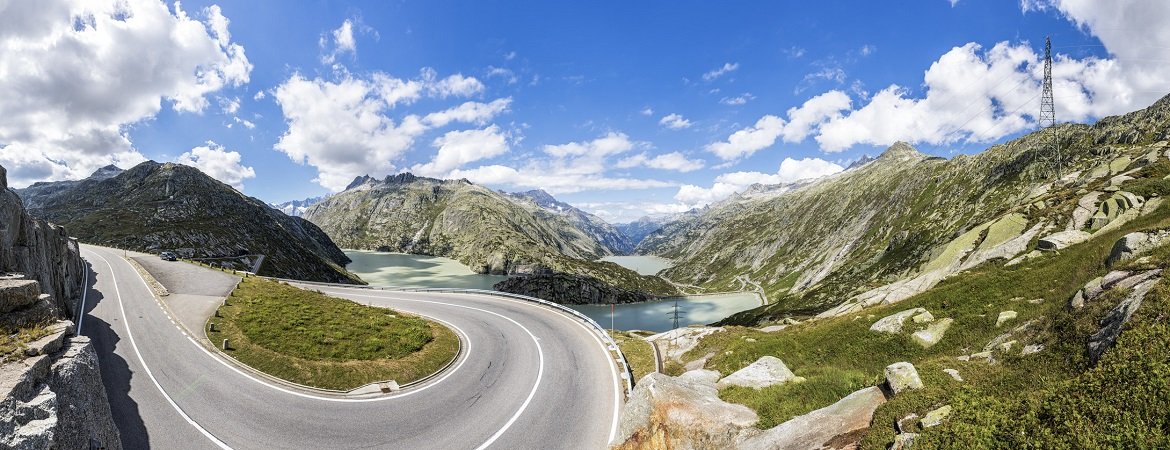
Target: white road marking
[(130, 335)]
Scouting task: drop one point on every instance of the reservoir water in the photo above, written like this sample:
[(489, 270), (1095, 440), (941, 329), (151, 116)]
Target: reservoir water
[(645, 265), (402, 270)]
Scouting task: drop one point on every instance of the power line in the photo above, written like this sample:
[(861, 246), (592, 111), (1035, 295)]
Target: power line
[(1047, 117)]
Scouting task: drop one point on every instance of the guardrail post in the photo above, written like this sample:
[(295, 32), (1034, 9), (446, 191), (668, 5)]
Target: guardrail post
[(212, 327), (225, 344)]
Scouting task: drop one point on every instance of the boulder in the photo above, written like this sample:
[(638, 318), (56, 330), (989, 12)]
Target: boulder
[(932, 334), (954, 374), (936, 417), (1115, 319), (924, 317), (682, 413), (1062, 240), (901, 377), (1031, 348), (1135, 243), (766, 371), (700, 376), (1004, 317), (893, 323), (18, 294), (837, 426), (903, 441)]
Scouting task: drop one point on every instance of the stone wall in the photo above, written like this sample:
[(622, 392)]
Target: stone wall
[(40, 250)]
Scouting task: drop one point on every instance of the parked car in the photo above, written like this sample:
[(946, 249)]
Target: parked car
[(168, 256)]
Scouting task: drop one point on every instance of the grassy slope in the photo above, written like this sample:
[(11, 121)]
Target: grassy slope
[(638, 352), (15, 340), (309, 338), (841, 355)]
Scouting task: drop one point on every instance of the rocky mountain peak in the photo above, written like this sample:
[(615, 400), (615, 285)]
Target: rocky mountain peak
[(402, 178), (865, 159), (901, 151), (541, 198), (106, 172), (358, 181)]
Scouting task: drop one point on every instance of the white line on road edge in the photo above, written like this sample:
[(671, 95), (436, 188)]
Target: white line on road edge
[(539, 352), (617, 383), (130, 335)]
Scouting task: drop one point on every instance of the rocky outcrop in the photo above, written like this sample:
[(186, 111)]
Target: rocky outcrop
[(766, 371), (569, 289), (837, 426), (1115, 319), (686, 413), (893, 323), (1062, 240), (933, 333), (902, 377), (164, 206), (1136, 243), (39, 249), (56, 401)]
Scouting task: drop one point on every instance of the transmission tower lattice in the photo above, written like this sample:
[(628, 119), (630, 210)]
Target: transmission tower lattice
[(676, 314), (1048, 113)]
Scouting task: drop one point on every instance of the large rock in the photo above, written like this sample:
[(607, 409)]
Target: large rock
[(893, 323), (668, 412), (1115, 319), (1135, 243), (18, 294), (42, 251), (902, 377), (766, 371), (932, 334), (1062, 240), (56, 401), (837, 426)]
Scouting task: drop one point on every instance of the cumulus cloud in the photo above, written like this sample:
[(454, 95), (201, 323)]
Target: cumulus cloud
[(667, 161), (647, 111), (219, 163), (674, 122), (976, 94), (457, 148), (84, 71), (749, 140), (728, 184), (344, 128), (571, 167), (720, 71), (469, 112)]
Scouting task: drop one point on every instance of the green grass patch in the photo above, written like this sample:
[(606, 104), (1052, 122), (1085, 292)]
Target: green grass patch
[(309, 338), (639, 353), (14, 341), (1049, 399)]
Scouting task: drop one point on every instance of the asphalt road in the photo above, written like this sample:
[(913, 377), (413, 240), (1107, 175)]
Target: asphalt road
[(529, 377)]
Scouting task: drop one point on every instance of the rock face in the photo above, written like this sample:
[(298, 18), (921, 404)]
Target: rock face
[(487, 231), (39, 249), (1136, 243), (605, 234), (766, 371), (893, 323), (56, 401), (1115, 319), (902, 377), (932, 334), (153, 207), (684, 412), (1062, 240), (569, 289), (837, 426)]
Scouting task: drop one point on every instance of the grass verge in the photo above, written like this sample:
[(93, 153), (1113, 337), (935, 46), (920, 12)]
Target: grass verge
[(13, 341), (309, 338), (638, 353)]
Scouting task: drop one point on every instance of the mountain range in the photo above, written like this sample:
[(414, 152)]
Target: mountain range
[(155, 207)]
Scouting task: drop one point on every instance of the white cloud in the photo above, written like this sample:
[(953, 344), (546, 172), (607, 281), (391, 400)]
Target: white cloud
[(667, 161), (503, 73), (219, 163), (815, 111), (455, 85), (343, 40), (610, 144), (972, 94), (675, 122), (737, 100), (229, 105), (749, 140), (718, 72), (458, 148), (246, 123), (259, 96), (510, 55), (647, 111), (343, 127), (725, 185), (469, 112), (77, 74), (343, 37)]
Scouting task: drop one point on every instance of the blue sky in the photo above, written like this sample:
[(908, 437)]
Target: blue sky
[(625, 108)]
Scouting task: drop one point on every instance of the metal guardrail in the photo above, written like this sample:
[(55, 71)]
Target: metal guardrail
[(627, 372)]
